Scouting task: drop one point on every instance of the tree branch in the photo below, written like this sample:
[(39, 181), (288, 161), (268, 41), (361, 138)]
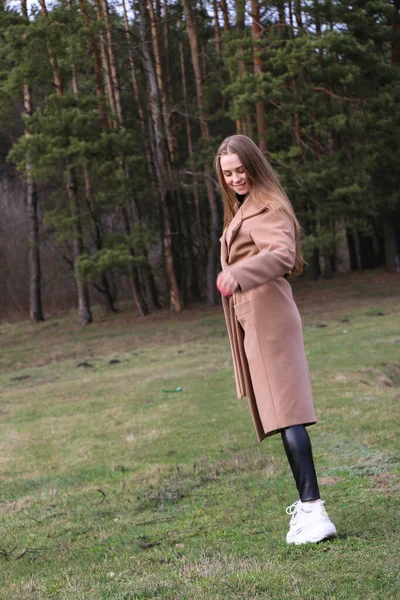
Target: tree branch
[(329, 93)]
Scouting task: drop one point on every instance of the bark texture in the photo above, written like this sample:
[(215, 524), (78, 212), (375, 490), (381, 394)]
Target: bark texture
[(213, 250), (35, 278), (77, 241), (161, 161)]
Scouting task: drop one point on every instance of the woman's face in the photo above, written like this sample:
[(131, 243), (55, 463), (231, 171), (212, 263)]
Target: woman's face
[(234, 173)]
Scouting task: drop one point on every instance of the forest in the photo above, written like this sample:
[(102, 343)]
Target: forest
[(110, 117)]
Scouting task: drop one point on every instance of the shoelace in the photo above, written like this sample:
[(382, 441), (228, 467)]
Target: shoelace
[(294, 511)]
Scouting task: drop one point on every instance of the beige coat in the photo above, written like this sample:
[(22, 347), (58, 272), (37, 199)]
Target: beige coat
[(264, 325)]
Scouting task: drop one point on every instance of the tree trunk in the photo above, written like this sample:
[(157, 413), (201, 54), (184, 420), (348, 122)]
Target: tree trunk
[(297, 12), (77, 249), (106, 69), (83, 295), (167, 48), (35, 297), (395, 49), (296, 121), (217, 33), (325, 265), (357, 249), (313, 271), (199, 222), (112, 76), (282, 18), (342, 253), (115, 82), (225, 13), (193, 285), (98, 240), (137, 295), (136, 95), (392, 254), (160, 79), (291, 21), (240, 6), (161, 161), (227, 27), (212, 261), (256, 30), (97, 64), (53, 59)]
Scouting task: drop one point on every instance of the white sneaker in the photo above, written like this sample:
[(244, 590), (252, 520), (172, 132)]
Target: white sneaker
[(309, 523)]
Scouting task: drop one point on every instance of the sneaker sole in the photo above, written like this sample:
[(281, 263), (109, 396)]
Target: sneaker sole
[(314, 539)]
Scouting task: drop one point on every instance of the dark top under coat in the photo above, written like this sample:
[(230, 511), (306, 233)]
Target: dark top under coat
[(241, 197)]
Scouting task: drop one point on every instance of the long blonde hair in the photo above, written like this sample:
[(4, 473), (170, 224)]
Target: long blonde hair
[(263, 184)]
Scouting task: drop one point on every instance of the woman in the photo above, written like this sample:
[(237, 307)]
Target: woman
[(260, 247)]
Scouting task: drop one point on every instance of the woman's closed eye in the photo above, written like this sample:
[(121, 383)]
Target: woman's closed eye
[(229, 173)]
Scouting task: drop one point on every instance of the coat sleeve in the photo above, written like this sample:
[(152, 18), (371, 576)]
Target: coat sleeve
[(273, 234)]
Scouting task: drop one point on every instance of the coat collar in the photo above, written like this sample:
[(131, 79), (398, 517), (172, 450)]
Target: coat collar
[(248, 209)]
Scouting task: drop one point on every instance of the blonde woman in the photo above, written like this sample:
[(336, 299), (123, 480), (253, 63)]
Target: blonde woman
[(260, 247)]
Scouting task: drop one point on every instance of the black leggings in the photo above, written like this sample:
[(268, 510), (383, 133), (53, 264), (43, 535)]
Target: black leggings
[(299, 453)]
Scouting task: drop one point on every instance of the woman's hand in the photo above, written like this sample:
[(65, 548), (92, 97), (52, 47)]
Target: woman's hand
[(226, 283)]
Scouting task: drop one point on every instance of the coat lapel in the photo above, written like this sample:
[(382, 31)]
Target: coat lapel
[(234, 227), (224, 250), (247, 210)]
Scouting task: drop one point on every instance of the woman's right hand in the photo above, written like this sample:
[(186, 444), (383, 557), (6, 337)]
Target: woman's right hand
[(226, 283)]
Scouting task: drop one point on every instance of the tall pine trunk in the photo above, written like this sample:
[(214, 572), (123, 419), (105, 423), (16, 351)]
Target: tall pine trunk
[(392, 254), (35, 278), (115, 94), (97, 65), (106, 289), (213, 251), (155, 38), (342, 253), (217, 33), (35, 296), (77, 241), (299, 17), (112, 78), (256, 30), (240, 6), (136, 95), (391, 246), (163, 167), (198, 225), (77, 248), (134, 280), (225, 14)]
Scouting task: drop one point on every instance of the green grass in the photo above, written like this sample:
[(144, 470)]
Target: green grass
[(113, 489)]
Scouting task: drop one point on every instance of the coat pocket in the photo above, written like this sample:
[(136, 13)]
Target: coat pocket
[(242, 309)]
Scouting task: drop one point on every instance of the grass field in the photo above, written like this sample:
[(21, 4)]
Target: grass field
[(112, 488)]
